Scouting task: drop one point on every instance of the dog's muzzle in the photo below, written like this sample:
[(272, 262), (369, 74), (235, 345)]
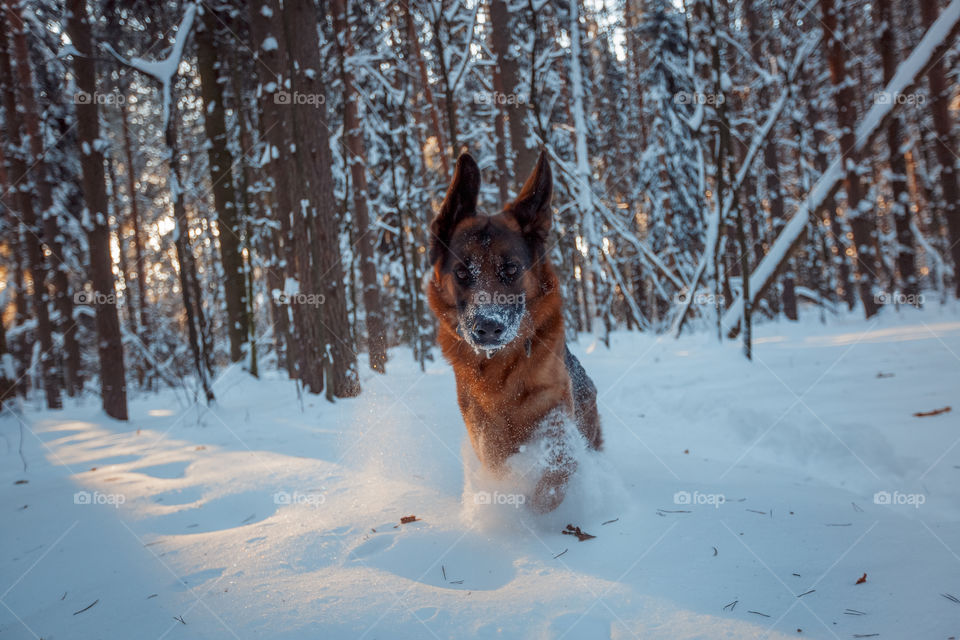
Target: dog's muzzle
[(491, 326)]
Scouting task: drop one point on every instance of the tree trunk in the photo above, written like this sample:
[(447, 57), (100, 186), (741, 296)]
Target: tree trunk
[(771, 155), (276, 131), (122, 259), (28, 217), (221, 178), (109, 342), (524, 157), (254, 241), (376, 330), (18, 348), (319, 247), (500, 132), (449, 92), (135, 230), (62, 298), (414, 42), (857, 210), (8, 369), (829, 210), (945, 145), (900, 206), (185, 262)]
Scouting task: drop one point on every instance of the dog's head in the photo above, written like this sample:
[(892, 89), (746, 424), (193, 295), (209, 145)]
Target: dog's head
[(488, 269)]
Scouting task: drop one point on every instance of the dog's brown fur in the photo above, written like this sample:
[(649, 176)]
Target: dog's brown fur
[(505, 397)]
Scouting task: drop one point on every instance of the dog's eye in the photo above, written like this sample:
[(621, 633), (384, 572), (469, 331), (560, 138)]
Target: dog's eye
[(462, 273), (510, 270)]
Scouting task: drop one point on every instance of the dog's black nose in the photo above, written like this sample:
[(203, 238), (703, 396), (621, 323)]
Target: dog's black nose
[(487, 330)]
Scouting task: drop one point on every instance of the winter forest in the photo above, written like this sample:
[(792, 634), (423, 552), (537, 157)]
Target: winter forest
[(189, 186), (206, 196)]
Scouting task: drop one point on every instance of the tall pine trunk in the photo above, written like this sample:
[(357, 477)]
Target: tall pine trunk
[(900, 206), (417, 54), (858, 209), (8, 369), (189, 288), (221, 178), (266, 30), (945, 145), (357, 157), (143, 324), (501, 35), (31, 231), (20, 311), (62, 297), (109, 342), (319, 249)]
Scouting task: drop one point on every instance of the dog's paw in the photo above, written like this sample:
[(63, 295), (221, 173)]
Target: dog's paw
[(550, 491)]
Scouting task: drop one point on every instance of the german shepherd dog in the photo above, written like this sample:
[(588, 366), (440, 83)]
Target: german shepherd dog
[(498, 303)]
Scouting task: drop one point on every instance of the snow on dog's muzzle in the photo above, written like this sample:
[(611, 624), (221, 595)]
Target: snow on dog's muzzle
[(492, 321)]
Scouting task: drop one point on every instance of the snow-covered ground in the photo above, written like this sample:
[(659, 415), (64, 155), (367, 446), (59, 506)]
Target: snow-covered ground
[(733, 500)]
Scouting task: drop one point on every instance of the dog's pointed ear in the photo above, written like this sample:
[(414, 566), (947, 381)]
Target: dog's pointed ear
[(460, 204), (532, 206)]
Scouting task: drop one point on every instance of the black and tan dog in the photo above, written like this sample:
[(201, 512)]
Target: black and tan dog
[(500, 314)]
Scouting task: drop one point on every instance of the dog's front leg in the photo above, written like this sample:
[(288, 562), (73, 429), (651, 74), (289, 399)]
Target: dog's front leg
[(558, 461)]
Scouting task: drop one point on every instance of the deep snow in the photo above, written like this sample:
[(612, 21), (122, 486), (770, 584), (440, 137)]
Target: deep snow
[(725, 481)]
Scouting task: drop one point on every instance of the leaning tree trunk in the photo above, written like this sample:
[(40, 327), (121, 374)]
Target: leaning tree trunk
[(860, 223), (221, 179), (109, 342), (376, 330), (31, 235), (945, 145)]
